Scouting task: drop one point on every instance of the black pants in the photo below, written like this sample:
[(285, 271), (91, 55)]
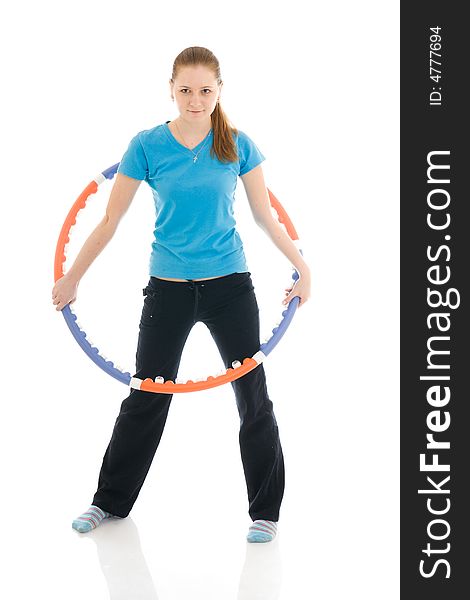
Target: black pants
[(228, 307)]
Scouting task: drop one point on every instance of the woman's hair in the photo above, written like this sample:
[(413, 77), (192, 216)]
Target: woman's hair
[(223, 144)]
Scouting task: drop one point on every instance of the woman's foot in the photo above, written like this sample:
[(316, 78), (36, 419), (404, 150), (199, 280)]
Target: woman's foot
[(90, 519), (262, 531)]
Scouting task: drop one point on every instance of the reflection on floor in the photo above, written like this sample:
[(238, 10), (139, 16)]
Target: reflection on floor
[(128, 576)]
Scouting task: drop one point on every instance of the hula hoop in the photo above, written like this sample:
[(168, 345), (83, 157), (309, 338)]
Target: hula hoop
[(158, 385)]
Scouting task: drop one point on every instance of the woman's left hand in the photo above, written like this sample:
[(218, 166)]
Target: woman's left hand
[(300, 288)]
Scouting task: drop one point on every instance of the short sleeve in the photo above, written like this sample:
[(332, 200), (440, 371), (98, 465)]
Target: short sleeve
[(250, 156), (134, 162)]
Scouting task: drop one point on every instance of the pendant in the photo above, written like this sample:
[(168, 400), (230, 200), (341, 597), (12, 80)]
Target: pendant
[(195, 159)]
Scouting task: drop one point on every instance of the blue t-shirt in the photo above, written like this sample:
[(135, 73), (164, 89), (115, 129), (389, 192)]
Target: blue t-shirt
[(195, 229)]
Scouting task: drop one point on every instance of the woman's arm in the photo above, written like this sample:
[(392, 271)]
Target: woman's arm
[(65, 290), (258, 199)]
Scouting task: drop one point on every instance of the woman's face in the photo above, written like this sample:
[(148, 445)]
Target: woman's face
[(196, 92)]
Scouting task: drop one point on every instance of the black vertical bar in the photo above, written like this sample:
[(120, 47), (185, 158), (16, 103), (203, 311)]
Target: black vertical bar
[(434, 259)]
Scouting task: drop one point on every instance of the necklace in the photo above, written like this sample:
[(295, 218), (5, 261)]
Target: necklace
[(195, 154)]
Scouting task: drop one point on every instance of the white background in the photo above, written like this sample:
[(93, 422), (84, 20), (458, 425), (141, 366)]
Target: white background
[(315, 85)]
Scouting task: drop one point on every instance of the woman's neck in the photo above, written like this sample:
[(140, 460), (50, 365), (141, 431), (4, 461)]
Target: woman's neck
[(192, 130)]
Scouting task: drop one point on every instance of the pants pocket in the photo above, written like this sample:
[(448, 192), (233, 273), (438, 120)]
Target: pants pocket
[(152, 307)]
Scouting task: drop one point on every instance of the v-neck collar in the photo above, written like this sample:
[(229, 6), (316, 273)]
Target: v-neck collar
[(175, 142)]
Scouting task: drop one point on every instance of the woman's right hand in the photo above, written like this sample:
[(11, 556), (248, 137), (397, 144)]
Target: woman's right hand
[(64, 292)]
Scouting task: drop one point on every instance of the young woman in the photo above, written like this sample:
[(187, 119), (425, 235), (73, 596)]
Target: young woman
[(198, 272)]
